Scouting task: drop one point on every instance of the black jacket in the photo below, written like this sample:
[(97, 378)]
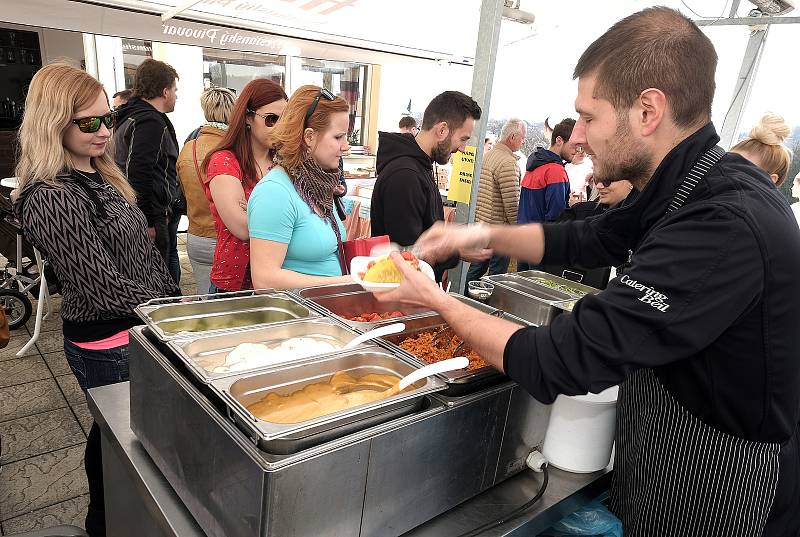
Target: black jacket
[(406, 199), (594, 277), (722, 337), (146, 151)]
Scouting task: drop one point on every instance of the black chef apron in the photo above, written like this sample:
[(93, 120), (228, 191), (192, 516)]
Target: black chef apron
[(675, 475)]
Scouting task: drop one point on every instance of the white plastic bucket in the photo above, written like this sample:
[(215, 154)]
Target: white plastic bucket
[(580, 435)]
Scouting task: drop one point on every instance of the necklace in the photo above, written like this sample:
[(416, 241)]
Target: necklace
[(83, 175), (102, 183)]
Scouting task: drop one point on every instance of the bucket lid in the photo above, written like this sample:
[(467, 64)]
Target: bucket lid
[(607, 396)]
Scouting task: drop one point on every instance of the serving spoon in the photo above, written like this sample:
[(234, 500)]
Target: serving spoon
[(381, 331), (459, 362)]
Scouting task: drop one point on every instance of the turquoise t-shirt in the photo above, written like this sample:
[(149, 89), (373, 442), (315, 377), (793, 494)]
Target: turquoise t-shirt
[(276, 212)]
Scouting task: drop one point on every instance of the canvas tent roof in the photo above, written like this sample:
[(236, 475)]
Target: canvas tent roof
[(440, 29)]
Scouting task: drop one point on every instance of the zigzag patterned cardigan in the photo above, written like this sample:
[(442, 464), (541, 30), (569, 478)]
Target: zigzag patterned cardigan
[(98, 247)]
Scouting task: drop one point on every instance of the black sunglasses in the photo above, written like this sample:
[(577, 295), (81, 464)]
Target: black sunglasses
[(604, 184), (313, 108), (92, 123), (269, 119)]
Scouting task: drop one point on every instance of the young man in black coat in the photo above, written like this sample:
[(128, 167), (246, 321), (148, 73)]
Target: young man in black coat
[(406, 199), (147, 152)]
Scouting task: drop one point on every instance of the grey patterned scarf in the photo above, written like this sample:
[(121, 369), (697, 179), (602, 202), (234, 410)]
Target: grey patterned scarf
[(315, 186)]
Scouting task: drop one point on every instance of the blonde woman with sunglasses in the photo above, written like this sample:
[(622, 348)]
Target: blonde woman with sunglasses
[(77, 209)]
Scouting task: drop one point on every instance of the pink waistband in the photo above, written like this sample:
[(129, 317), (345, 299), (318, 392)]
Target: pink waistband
[(117, 340)]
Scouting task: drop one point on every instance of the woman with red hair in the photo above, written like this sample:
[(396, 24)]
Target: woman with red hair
[(240, 160), (295, 232)]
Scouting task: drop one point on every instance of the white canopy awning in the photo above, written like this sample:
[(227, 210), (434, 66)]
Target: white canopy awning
[(441, 29)]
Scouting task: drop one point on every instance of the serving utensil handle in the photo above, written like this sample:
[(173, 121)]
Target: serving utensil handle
[(381, 331), (459, 362)]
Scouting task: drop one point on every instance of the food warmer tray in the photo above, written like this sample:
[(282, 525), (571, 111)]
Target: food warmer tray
[(524, 299), (182, 317), (458, 382), (557, 283), (343, 301), (196, 352), (380, 481), (239, 391)]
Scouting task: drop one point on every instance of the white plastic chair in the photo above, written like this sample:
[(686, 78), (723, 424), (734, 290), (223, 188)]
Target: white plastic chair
[(44, 297)]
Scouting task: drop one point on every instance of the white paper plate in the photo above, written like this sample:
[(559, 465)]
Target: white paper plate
[(359, 264)]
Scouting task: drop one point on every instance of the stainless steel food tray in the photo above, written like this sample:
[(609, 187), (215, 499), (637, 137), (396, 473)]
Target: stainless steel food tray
[(325, 290), (202, 354), (181, 317), (241, 390), (527, 286), (557, 283), (344, 305), (526, 299), (458, 382)]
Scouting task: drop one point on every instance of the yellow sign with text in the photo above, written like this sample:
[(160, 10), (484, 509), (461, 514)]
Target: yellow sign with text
[(461, 175)]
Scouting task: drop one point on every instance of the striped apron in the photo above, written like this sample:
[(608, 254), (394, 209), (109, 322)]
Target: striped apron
[(675, 475)]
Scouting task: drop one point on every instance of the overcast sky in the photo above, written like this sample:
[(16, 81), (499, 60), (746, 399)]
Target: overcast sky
[(534, 66)]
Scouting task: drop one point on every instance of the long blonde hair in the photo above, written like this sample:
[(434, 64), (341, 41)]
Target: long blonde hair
[(765, 143), (56, 93)]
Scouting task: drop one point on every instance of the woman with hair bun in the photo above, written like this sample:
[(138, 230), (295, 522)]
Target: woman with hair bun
[(201, 237), (295, 233), (764, 147)]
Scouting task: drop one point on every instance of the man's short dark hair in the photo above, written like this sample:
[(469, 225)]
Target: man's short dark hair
[(152, 77), (407, 122), (125, 94), (655, 48), (452, 107), (563, 129)]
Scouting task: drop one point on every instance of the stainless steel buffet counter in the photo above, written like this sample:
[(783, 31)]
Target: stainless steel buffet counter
[(140, 501), (326, 463)]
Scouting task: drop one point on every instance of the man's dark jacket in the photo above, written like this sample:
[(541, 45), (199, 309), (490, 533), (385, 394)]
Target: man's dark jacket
[(724, 337), (146, 151), (406, 199)]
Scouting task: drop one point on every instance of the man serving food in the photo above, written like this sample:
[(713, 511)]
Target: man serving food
[(701, 330)]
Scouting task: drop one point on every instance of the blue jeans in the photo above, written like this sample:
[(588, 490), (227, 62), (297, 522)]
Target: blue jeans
[(92, 369), (97, 368), (496, 265), (214, 290)]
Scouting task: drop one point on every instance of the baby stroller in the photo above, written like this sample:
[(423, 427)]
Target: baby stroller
[(20, 277)]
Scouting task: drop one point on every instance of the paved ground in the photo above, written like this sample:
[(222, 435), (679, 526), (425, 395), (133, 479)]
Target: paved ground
[(44, 420)]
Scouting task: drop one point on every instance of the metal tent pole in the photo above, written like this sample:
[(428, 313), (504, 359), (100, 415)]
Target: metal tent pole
[(741, 93), (482, 77)]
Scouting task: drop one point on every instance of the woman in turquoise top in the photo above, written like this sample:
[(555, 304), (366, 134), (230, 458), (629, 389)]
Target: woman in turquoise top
[(295, 233)]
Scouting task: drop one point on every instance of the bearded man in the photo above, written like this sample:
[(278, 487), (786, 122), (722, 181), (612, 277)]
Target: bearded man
[(700, 332), (406, 199)]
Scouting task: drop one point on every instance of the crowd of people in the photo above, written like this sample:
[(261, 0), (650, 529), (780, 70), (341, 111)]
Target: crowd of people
[(102, 187)]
